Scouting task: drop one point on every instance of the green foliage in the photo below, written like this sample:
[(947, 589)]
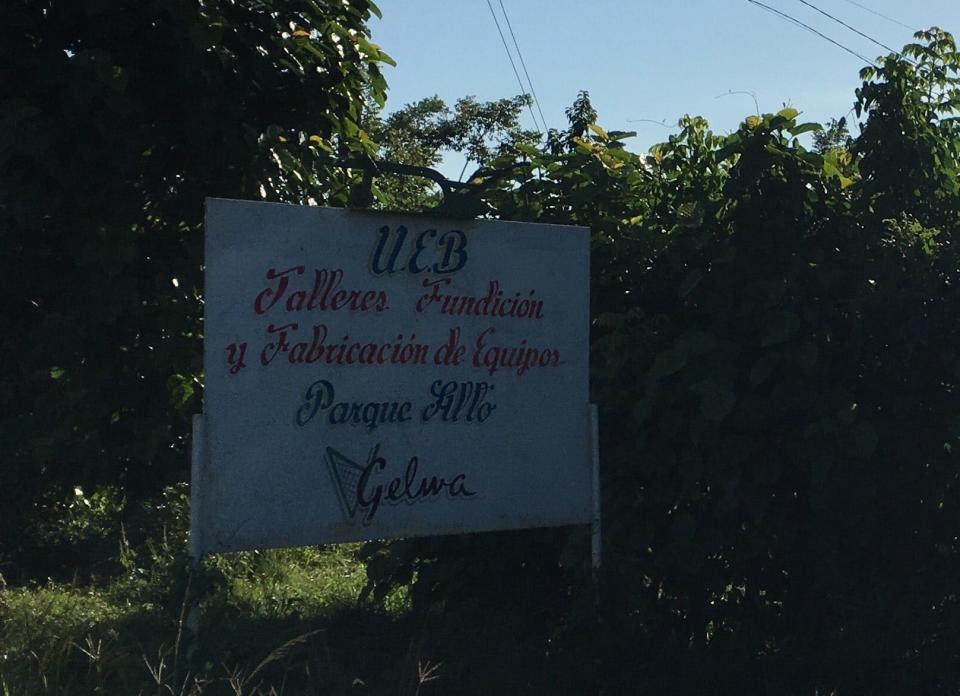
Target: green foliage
[(581, 115), (44, 630), (835, 136), (82, 517), (408, 136), (420, 133), (286, 619), (116, 121), (772, 356), (482, 130), (910, 144), (281, 583), (773, 345)]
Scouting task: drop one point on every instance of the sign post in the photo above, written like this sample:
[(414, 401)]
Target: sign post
[(596, 546), (379, 375)]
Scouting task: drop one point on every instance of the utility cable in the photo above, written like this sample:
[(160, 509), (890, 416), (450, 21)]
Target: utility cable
[(853, 29), (513, 65), (523, 64), (880, 14), (796, 21)]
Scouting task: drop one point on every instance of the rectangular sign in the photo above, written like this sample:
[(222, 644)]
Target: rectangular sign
[(382, 375)]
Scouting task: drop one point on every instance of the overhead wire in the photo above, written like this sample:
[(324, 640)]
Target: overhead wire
[(880, 14), (794, 20), (523, 64), (853, 29), (513, 65)]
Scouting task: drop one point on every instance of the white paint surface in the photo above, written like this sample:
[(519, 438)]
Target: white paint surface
[(263, 480)]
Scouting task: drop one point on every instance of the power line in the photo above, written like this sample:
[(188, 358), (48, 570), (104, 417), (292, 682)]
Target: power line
[(880, 14), (794, 20), (853, 29), (513, 65), (523, 64)]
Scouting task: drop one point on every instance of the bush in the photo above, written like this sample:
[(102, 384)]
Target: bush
[(772, 353)]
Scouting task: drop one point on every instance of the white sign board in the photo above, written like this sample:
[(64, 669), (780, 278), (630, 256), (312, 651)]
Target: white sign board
[(382, 375)]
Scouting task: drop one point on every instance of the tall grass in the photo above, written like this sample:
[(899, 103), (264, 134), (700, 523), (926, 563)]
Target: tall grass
[(273, 622)]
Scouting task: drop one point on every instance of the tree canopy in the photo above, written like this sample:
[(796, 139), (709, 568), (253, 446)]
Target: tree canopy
[(774, 357), (421, 133), (774, 336), (116, 121)]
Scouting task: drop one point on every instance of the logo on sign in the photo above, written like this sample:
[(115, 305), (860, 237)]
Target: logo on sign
[(363, 488)]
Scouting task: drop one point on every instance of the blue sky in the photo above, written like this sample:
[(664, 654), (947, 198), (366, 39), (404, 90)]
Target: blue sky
[(646, 59)]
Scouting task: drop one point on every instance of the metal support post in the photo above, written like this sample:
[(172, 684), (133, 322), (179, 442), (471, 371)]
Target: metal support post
[(596, 547)]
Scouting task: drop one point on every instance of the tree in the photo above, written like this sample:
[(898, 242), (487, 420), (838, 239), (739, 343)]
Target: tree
[(910, 144), (116, 121), (834, 136), (580, 116), (773, 356), (420, 133)]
